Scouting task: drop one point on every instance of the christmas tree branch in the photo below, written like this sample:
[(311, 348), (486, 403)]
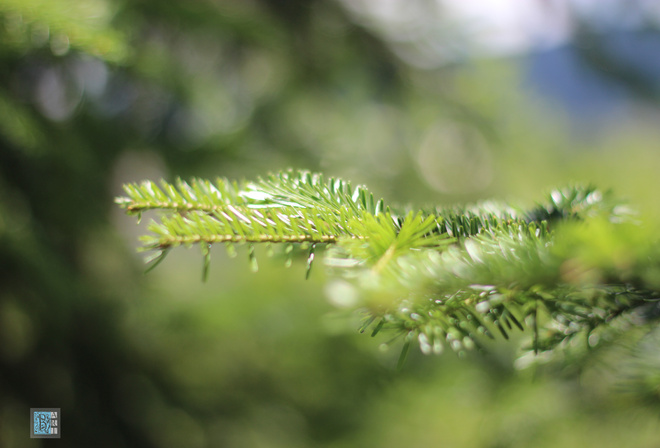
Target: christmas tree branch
[(575, 265)]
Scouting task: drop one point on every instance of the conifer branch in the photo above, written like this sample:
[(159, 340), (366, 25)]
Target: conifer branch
[(574, 266)]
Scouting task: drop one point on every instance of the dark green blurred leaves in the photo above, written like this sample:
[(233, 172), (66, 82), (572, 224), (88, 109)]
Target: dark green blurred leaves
[(61, 26)]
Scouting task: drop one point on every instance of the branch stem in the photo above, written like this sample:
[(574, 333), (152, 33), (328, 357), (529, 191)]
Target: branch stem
[(170, 241)]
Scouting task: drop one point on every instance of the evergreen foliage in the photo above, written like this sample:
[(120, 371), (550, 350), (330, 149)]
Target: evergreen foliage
[(98, 92), (574, 268)]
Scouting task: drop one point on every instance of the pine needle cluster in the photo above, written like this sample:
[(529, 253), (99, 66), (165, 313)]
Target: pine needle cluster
[(577, 267)]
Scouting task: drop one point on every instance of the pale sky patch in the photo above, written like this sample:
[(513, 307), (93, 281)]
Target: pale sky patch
[(430, 33)]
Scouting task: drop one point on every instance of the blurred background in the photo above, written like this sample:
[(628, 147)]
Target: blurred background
[(424, 101)]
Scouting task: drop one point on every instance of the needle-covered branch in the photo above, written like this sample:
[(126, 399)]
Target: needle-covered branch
[(576, 265)]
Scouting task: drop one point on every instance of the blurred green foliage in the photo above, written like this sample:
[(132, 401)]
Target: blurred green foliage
[(94, 93)]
